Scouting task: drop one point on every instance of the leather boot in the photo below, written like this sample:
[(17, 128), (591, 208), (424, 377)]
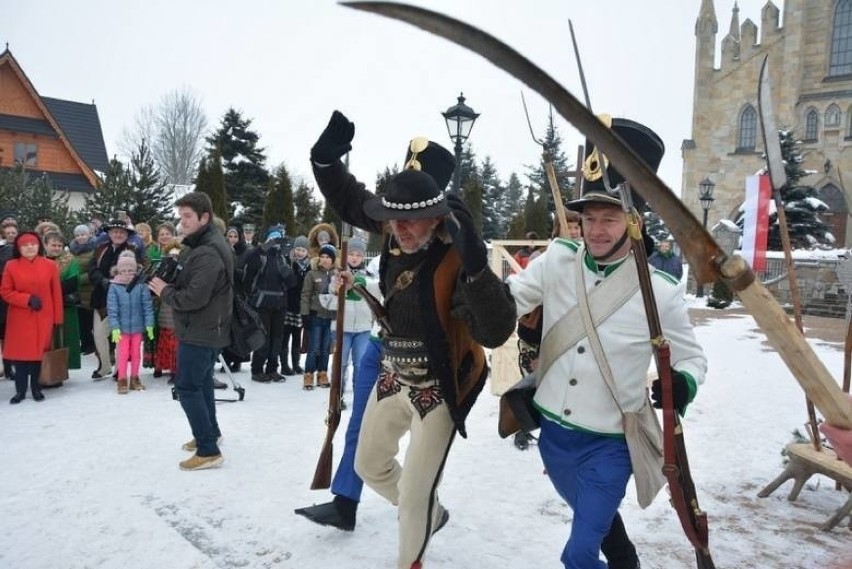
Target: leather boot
[(135, 384), (35, 387), (619, 551), (308, 381), (322, 379), (122, 386), (296, 355), (339, 513)]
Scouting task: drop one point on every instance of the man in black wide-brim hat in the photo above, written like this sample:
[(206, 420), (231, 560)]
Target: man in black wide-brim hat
[(443, 305), (597, 381)]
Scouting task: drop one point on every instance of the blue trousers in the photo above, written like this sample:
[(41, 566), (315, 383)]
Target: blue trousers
[(319, 344), (354, 344), (346, 482), (590, 472), (194, 387)]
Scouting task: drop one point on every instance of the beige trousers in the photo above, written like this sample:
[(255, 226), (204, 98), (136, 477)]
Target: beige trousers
[(100, 330), (412, 487)]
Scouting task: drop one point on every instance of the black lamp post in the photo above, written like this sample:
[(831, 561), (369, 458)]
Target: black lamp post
[(705, 196), (460, 119)]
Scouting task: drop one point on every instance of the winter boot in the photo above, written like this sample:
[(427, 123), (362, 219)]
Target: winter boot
[(617, 547), (322, 379), (17, 398), (308, 381), (122, 386), (339, 513), (296, 355), (158, 372), (135, 384)]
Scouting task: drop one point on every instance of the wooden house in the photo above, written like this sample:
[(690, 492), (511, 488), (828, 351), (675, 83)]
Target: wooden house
[(61, 139)]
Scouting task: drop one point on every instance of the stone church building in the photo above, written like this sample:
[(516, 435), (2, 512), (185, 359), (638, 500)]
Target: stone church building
[(810, 65)]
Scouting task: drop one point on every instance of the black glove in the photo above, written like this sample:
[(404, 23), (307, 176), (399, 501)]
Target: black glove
[(335, 140), (466, 239), (680, 392), (34, 302)]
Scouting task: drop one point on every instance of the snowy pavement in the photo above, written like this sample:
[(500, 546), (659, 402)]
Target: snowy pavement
[(91, 481)]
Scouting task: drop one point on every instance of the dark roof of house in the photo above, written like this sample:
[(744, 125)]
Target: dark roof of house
[(63, 182), (27, 125), (80, 123)]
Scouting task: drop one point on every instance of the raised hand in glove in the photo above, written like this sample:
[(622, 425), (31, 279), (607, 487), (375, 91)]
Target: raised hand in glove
[(680, 392), (335, 140), (34, 302), (466, 239), (116, 336), (150, 331)]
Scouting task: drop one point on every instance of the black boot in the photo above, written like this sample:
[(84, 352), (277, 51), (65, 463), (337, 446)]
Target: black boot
[(296, 355), (17, 398), (617, 547), (339, 513), (35, 387)]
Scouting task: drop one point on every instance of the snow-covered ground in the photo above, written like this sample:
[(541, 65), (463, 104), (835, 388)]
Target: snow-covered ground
[(91, 481)]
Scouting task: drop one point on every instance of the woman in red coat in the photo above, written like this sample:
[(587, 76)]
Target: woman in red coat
[(32, 289)]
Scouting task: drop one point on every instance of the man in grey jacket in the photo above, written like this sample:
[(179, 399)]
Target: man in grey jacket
[(202, 298)]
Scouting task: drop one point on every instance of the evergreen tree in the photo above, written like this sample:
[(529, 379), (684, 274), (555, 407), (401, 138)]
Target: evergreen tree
[(374, 243), (510, 202), (152, 199), (656, 227), (467, 167), (33, 197), (494, 221), (114, 192), (215, 186), (552, 151), (472, 195), (535, 212), (246, 178), (330, 216), (307, 209), (279, 201)]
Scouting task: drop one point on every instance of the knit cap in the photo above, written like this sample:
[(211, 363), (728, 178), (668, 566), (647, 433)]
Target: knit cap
[(126, 261), (329, 250), (82, 229), (301, 241), (357, 244)]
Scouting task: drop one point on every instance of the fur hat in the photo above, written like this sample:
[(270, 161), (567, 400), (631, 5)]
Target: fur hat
[(301, 241), (119, 224), (642, 140), (330, 250)]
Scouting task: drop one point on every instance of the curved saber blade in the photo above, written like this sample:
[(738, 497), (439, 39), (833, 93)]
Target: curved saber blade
[(706, 258), (771, 141), (697, 246)]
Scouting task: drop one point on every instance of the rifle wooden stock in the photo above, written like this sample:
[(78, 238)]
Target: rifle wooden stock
[(322, 473)]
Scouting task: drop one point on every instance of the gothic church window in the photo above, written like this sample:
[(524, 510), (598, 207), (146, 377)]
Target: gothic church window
[(832, 116), (849, 122), (748, 129), (841, 40), (811, 125)]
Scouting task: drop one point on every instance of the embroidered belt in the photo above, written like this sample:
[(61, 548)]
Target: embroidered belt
[(407, 358)]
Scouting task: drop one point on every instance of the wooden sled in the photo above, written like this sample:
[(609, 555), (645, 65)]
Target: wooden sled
[(805, 461)]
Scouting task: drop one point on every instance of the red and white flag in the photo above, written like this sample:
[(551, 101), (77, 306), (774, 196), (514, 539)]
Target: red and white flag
[(756, 221)]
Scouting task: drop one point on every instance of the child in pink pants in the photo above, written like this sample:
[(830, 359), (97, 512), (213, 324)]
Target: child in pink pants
[(130, 313)]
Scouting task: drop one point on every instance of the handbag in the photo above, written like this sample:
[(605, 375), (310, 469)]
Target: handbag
[(642, 430), (54, 362), (517, 412), (247, 331)]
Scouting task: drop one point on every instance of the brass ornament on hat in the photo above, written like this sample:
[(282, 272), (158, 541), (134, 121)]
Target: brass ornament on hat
[(596, 162), (416, 146)]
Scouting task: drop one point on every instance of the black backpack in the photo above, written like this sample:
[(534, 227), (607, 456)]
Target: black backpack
[(247, 333)]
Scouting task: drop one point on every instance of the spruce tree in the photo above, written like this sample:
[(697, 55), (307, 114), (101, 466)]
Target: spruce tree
[(552, 151), (33, 197), (472, 195), (329, 215), (374, 243), (243, 163), (114, 192), (510, 203), (494, 222), (307, 209), (279, 201), (152, 199), (216, 187)]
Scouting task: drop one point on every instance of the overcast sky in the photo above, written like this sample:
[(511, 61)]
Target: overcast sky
[(287, 64)]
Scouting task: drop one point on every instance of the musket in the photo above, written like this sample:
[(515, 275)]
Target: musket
[(322, 474), (707, 260), (675, 461), (778, 177)]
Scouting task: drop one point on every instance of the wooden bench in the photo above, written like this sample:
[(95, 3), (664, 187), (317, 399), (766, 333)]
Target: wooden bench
[(805, 461)]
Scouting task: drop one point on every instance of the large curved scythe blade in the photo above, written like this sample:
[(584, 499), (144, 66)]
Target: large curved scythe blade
[(708, 261)]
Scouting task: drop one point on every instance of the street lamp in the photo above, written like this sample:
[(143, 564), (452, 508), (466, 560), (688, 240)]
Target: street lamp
[(705, 196), (460, 119)]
